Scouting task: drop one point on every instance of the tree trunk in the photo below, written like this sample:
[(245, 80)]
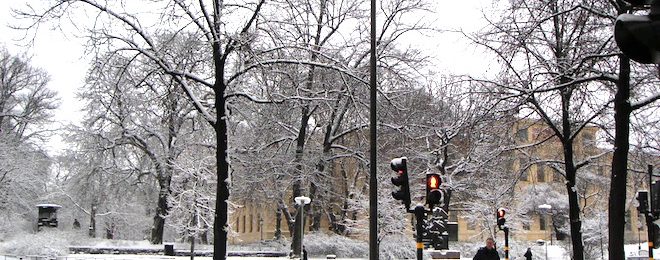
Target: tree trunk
[(278, 224), (163, 208), (297, 184), (617, 211), (204, 237), (571, 171), (315, 209), (110, 231), (222, 190), (575, 222), (92, 221)]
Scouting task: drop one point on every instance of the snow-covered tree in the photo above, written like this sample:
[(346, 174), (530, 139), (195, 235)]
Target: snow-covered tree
[(26, 106), (554, 58)]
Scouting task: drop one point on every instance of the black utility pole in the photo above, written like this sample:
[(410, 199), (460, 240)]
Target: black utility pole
[(650, 229), (650, 226), (506, 243), (419, 227), (373, 185)]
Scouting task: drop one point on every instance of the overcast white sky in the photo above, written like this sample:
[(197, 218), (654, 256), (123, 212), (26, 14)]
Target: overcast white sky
[(60, 56), (63, 56)]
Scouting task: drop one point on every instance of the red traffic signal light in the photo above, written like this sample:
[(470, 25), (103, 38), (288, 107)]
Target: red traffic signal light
[(399, 165), (501, 212), (401, 180), (642, 201), (434, 195), (433, 181)]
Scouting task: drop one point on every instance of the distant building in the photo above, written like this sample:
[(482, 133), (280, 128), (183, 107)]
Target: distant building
[(536, 165)]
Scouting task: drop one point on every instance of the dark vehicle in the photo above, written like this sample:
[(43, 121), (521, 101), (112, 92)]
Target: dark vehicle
[(47, 215)]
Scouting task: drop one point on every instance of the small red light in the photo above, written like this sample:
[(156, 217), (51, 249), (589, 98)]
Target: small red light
[(434, 182)]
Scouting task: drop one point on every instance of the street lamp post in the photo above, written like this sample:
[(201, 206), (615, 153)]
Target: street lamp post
[(546, 209), (301, 202)]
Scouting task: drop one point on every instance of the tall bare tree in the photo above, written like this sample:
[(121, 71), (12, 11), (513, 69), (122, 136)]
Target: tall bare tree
[(555, 57), (624, 108), (26, 107), (25, 100), (220, 25)]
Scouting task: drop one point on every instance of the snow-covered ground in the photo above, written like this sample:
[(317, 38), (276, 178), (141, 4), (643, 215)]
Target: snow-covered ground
[(640, 250), (57, 243), (555, 252), (148, 257)]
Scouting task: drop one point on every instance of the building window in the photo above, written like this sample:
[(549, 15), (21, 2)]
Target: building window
[(260, 222), (628, 221), (526, 225), (251, 223), (509, 164), (587, 139), (542, 223), (540, 173), (521, 135), (524, 176), (243, 223), (470, 225), (237, 223)]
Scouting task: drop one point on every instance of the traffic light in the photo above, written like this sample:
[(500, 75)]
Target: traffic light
[(501, 212), (433, 193), (655, 198), (643, 202), (656, 235), (438, 229), (401, 180), (638, 36)]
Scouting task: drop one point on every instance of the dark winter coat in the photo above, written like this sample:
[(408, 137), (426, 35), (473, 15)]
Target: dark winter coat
[(486, 254), (528, 254)]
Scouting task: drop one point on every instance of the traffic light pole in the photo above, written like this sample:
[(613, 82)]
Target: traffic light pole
[(506, 243), (419, 217), (650, 227), (373, 183)]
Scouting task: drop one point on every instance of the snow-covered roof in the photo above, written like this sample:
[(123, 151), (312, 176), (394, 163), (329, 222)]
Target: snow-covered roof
[(48, 205)]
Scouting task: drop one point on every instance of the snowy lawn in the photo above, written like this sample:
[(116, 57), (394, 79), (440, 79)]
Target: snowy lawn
[(151, 257)]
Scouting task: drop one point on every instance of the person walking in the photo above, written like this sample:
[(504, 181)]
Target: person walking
[(528, 254), (488, 252)]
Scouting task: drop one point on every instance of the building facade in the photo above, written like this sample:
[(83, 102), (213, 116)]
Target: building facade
[(536, 164)]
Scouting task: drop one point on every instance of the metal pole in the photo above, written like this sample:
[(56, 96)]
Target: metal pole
[(506, 243), (419, 227), (649, 215), (650, 169), (546, 244), (649, 227), (302, 228), (192, 234), (373, 185), (552, 225), (192, 247)]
